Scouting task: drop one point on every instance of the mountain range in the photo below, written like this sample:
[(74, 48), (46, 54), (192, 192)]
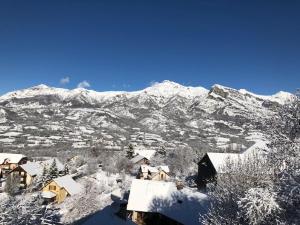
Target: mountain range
[(165, 116)]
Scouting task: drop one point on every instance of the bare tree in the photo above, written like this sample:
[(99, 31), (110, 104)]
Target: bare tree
[(180, 161)]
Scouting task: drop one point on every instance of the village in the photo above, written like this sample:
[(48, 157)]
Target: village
[(153, 196)]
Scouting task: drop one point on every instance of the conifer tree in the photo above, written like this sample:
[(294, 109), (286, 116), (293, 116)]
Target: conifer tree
[(45, 176), (53, 171), (66, 169), (130, 151)]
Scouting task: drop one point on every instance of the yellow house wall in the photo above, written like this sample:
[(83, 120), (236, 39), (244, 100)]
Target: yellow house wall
[(61, 193), (134, 216), (29, 180)]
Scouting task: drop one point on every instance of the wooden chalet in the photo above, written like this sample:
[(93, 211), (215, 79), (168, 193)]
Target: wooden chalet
[(59, 188), (9, 161), (211, 164), (214, 163), (27, 173), (161, 203), (139, 160), (31, 170), (142, 156)]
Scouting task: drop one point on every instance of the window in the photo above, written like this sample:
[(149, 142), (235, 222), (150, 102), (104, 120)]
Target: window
[(52, 187)]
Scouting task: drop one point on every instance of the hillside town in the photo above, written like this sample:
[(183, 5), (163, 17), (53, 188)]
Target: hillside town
[(154, 195), (165, 112), (242, 166)]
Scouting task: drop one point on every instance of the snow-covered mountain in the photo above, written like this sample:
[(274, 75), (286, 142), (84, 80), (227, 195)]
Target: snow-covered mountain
[(164, 115)]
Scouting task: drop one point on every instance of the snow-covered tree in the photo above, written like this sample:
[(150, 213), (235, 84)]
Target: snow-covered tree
[(266, 190), (66, 169), (259, 206), (130, 151), (284, 158), (231, 187), (53, 170), (45, 175), (26, 210), (181, 160)]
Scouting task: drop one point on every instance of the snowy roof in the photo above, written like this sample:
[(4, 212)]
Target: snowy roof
[(183, 206), (164, 168), (148, 154), (258, 148), (12, 158), (152, 169), (48, 194), (137, 158), (219, 160), (36, 168), (69, 184), (32, 168)]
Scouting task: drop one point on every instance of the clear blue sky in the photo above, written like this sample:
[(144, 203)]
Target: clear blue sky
[(125, 45)]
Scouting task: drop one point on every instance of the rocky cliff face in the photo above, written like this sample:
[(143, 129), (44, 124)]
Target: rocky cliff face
[(166, 115)]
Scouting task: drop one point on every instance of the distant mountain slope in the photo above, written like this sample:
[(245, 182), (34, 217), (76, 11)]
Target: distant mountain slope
[(165, 115)]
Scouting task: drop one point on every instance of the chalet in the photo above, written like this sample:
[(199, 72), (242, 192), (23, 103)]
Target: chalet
[(29, 171), (144, 152), (59, 188), (214, 163), (160, 173), (139, 160), (161, 203), (142, 156), (9, 161)]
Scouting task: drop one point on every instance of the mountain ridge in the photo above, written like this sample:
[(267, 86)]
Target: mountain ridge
[(165, 88), (166, 116)]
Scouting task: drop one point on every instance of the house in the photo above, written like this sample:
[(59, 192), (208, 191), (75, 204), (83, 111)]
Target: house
[(59, 188), (214, 163), (9, 161), (29, 171), (139, 160), (161, 203), (154, 173), (144, 152), (142, 156)]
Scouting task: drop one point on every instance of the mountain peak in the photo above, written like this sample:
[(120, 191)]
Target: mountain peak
[(166, 83), (169, 89)]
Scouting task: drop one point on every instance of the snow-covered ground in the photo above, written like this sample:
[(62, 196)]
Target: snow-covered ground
[(96, 196), (106, 216)]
